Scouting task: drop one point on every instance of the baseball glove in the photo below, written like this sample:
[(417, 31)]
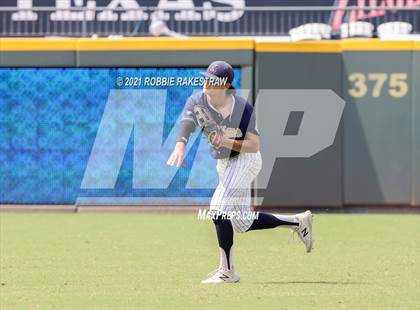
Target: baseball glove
[(208, 125)]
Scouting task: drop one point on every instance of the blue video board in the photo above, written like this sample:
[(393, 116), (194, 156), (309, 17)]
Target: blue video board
[(50, 119)]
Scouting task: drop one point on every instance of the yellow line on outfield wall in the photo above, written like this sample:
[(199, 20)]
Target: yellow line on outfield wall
[(172, 44), (37, 44), (203, 44), (125, 44), (378, 45), (336, 46), (327, 46)]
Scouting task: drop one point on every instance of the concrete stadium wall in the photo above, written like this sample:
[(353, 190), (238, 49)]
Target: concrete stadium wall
[(375, 158)]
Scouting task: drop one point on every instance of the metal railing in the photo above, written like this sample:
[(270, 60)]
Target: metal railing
[(225, 21)]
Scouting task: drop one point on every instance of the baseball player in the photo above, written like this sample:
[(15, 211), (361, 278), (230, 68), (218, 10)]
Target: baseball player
[(228, 122)]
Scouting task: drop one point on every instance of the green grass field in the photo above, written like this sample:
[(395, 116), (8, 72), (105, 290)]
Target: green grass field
[(156, 261)]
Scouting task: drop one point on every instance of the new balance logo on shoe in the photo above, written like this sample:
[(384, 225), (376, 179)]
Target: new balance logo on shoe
[(223, 277), (305, 232)]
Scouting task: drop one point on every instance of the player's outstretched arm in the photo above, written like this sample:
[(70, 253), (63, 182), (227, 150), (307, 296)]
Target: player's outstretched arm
[(251, 143), (177, 155)]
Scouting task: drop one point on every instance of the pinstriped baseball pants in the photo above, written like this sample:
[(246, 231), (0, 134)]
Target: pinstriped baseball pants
[(233, 193)]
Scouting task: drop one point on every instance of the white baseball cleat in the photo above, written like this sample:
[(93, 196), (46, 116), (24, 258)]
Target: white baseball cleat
[(221, 275), (304, 230)]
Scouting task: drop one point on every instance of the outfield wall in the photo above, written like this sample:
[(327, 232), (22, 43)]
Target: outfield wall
[(46, 138), (375, 157)]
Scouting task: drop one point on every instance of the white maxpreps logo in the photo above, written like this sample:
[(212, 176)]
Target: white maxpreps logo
[(142, 113), (205, 214)]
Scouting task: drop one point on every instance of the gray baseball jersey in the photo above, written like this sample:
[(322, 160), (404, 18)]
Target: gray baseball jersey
[(240, 121), (236, 170)]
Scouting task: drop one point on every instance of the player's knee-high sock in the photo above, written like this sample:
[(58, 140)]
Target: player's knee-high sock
[(267, 221), (224, 232)]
